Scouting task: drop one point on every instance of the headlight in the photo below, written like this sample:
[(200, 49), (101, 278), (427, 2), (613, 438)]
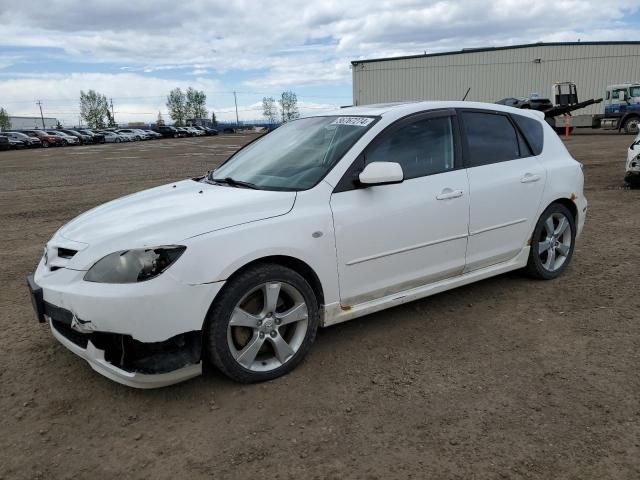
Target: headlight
[(132, 266)]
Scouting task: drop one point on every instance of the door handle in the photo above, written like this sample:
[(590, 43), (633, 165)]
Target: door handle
[(529, 178), (448, 194)]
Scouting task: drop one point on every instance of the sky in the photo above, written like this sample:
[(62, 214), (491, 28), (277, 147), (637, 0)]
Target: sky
[(135, 52)]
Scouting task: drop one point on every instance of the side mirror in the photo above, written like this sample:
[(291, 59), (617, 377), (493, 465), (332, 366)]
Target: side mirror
[(381, 173)]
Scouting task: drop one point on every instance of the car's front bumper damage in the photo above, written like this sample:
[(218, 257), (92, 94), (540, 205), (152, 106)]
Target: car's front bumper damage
[(149, 340), (97, 359)]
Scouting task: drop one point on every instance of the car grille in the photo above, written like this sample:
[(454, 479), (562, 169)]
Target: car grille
[(61, 320), (80, 339)]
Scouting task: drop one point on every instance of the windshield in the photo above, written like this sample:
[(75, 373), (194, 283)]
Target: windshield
[(297, 155)]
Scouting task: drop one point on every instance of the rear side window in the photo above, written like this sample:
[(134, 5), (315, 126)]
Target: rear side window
[(491, 138), (532, 131)]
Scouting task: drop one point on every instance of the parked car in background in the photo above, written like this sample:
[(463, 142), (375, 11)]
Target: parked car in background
[(46, 139), (4, 142), (195, 132), (206, 130), (183, 132), (152, 134), (97, 137), (146, 134), (17, 144), (83, 138), (113, 137), (167, 131), (132, 134), (133, 288), (632, 171), (65, 138), (31, 142)]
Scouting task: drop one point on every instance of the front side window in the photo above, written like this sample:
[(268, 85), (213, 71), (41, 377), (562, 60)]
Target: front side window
[(295, 156), (423, 147), (634, 92), (491, 138)]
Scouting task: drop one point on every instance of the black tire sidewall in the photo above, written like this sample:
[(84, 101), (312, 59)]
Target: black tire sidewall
[(215, 346), (534, 264)]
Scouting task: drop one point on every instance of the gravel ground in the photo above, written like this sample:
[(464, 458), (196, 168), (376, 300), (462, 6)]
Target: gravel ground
[(508, 378)]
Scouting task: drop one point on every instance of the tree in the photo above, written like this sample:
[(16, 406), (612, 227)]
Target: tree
[(269, 109), (177, 105), (214, 120), (289, 106), (5, 123), (196, 104), (94, 108)]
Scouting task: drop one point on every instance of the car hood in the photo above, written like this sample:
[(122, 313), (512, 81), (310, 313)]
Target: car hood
[(170, 214)]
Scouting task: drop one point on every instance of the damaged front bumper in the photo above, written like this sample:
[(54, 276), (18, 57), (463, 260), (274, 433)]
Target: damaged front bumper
[(95, 357), (140, 337)]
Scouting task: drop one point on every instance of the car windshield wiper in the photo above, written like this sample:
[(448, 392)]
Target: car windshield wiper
[(236, 183)]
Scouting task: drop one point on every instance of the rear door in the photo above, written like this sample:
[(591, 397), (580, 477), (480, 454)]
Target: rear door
[(506, 182)]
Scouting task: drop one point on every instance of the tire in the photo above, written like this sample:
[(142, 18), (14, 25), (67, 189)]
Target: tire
[(632, 125), (45, 144), (243, 345), (552, 244), (64, 143), (118, 140)]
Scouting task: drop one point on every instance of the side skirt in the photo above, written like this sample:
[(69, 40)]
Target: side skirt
[(336, 313)]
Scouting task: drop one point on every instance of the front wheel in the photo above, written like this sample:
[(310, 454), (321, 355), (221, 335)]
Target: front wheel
[(262, 325), (552, 243)]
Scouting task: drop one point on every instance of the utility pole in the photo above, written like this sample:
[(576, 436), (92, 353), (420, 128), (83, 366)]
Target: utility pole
[(39, 103), (235, 99), (113, 117)]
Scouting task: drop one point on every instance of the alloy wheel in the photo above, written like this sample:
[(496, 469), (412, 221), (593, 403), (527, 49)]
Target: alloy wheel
[(267, 326), (554, 243)]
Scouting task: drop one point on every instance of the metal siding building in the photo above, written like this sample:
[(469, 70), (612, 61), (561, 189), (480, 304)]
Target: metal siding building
[(26, 123), (497, 73)]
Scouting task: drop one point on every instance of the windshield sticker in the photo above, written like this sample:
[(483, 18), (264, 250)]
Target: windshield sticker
[(354, 121)]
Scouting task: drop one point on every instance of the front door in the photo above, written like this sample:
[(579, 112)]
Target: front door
[(391, 238)]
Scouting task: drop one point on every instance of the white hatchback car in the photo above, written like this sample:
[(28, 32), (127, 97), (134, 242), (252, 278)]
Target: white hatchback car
[(632, 170), (323, 220)]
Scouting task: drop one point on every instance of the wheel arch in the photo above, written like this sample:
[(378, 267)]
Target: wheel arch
[(570, 204), (293, 263)]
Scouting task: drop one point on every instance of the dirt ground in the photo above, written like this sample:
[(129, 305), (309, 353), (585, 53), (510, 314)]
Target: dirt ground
[(508, 378)]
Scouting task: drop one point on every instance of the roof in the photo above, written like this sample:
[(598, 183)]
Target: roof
[(491, 49), (400, 109)]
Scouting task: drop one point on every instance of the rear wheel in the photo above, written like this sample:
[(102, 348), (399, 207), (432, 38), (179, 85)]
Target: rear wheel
[(262, 325), (45, 144), (552, 243), (118, 140)]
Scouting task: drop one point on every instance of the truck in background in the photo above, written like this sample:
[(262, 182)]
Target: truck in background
[(621, 107)]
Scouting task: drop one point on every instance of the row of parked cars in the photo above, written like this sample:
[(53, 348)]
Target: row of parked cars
[(84, 136)]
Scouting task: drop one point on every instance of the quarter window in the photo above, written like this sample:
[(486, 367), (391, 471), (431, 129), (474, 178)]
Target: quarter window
[(423, 147), (491, 138), (532, 130)]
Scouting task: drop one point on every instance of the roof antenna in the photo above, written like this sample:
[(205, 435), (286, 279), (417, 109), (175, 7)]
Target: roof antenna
[(465, 95)]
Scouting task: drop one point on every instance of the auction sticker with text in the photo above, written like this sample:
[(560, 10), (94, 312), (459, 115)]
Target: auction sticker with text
[(355, 121)]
